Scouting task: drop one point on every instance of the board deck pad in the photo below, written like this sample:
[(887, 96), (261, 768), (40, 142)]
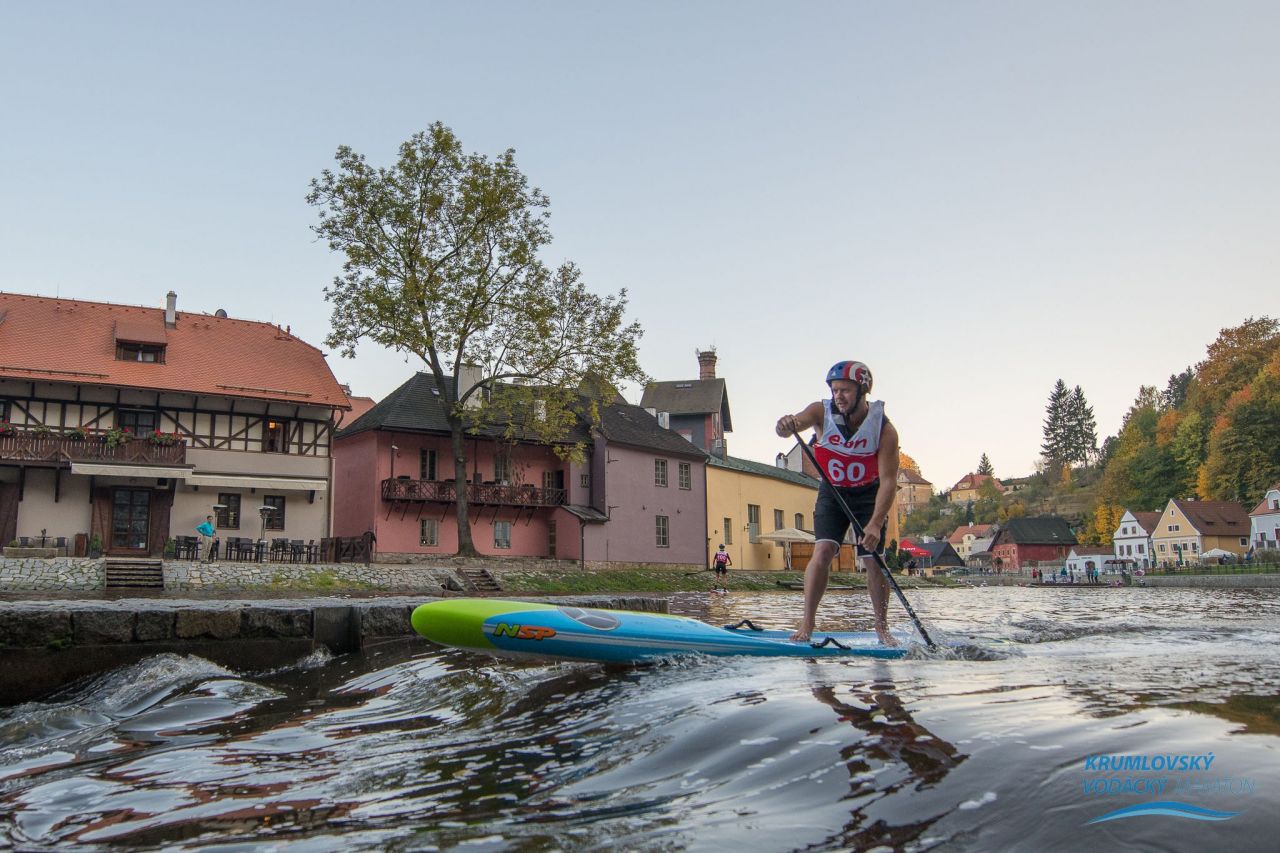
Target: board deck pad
[(565, 632)]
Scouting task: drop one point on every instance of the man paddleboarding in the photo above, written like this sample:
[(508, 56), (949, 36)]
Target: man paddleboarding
[(857, 450)]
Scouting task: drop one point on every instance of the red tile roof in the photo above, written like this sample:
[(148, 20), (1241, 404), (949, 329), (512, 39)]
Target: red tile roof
[(1215, 518), (1146, 520), (70, 340), (974, 481), (978, 530)]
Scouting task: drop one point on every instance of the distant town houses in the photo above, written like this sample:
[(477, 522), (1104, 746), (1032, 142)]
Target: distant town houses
[(123, 428), (1264, 521), (914, 491), (962, 539), (968, 487), (695, 409), (1131, 541), (1190, 532), (1023, 541)]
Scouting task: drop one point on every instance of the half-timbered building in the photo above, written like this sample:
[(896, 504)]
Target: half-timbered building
[(125, 426)]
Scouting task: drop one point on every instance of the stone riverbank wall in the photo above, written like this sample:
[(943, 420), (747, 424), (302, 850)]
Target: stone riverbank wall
[(45, 645)]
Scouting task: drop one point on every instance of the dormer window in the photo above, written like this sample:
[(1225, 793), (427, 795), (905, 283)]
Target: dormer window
[(138, 340), (130, 351)]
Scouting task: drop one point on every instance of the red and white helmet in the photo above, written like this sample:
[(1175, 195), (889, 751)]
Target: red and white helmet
[(854, 371)]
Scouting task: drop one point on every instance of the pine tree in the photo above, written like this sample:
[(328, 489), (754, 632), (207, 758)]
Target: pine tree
[(1082, 429), (984, 466), (1056, 434)]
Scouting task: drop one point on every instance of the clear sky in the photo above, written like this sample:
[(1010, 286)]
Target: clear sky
[(975, 198)]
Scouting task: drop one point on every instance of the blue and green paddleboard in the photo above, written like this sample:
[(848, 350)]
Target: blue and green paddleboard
[(525, 629)]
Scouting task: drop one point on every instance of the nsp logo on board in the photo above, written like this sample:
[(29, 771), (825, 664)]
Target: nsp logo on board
[(523, 632)]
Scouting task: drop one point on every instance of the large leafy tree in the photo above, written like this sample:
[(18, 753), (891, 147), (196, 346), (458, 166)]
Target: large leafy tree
[(442, 263), (1244, 444)]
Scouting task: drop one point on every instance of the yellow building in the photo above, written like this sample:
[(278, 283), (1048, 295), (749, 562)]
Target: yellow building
[(1188, 529), (747, 500), (914, 492)]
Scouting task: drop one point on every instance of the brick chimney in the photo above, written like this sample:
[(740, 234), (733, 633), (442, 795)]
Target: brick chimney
[(171, 309), (707, 363)]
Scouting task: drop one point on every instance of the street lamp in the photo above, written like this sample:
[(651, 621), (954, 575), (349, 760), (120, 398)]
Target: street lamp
[(265, 511)]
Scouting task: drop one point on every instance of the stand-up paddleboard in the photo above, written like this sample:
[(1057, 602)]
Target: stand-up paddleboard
[(525, 629)]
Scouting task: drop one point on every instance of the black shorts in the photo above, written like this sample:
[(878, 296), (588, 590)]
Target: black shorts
[(830, 522), (722, 570)]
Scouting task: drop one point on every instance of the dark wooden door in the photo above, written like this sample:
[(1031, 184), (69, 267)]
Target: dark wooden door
[(130, 522)]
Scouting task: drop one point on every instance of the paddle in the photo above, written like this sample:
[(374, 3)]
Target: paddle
[(858, 532)]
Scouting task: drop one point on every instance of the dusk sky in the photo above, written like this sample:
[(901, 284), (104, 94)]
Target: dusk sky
[(974, 198)]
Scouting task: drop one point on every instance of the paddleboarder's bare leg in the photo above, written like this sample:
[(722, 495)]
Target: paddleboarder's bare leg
[(878, 587), (815, 584)]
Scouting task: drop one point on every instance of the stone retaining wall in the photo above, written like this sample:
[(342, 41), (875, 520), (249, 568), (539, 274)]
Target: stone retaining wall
[(60, 573), (46, 644), (1214, 581), (187, 575)]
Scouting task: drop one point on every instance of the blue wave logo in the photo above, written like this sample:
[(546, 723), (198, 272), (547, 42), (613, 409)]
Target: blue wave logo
[(1171, 809)]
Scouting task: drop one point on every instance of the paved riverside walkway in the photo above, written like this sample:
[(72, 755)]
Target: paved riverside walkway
[(49, 641)]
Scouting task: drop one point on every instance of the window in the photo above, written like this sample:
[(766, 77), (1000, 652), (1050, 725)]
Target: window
[(429, 532), (551, 538), (778, 523), (663, 530), (501, 464), (275, 436), (1244, 540), (686, 475), (728, 531), (799, 521), (753, 524), (229, 515), (1174, 528), (549, 479), (660, 472), (1195, 548), (426, 465), (1162, 549), (129, 351), (584, 480), (275, 519), (502, 534), (1139, 548), (136, 422)]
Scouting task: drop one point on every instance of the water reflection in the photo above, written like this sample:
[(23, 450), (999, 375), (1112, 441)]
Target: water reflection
[(421, 748)]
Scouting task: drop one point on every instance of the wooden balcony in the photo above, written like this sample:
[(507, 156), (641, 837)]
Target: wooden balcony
[(478, 494), (49, 449)]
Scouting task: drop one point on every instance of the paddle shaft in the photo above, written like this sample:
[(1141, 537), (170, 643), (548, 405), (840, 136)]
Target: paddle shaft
[(858, 532)]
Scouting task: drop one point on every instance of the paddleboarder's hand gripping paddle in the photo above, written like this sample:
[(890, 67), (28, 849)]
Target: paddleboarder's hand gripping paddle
[(860, 533)]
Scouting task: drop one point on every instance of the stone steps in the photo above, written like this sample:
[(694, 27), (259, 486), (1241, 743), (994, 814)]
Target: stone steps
[(480, 580), (134, 573)]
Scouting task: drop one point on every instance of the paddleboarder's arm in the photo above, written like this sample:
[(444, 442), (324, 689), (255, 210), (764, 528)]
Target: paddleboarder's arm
[(809, 416), (887, 457)]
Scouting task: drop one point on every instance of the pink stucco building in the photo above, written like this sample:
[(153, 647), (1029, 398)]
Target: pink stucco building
[(639, 496)]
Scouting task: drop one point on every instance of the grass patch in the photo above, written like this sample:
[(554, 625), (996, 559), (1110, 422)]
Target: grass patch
[(325, 581)]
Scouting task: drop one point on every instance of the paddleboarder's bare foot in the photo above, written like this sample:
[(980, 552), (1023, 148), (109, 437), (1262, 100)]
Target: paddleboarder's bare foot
[(886, 639), (802, 634)]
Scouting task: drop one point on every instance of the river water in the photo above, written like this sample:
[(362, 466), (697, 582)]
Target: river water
[(1101, 701)]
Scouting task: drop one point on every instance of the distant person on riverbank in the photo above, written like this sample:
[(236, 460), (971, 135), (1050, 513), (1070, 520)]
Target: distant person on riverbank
[(857, 450), (720, 562)]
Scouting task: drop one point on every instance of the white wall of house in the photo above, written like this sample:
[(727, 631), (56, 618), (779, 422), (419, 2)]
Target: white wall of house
[(1264, 528), (302, 519), (1130, 541)]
